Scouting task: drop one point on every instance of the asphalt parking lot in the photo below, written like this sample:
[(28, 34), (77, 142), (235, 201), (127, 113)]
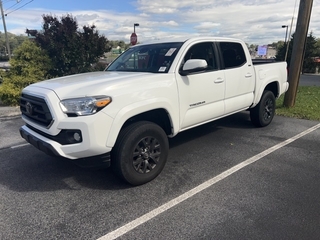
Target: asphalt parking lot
[(223, 180)]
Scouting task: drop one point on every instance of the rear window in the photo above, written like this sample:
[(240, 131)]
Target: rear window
[(233, 54)]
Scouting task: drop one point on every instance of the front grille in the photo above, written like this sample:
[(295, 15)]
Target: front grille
[(36, 110)]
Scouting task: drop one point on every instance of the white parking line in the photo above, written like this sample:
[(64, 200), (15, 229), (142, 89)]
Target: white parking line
[(20, 145), (150, 215), (14, 147)]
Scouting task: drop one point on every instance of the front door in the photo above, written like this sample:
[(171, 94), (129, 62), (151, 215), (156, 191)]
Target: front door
[(201, 94)]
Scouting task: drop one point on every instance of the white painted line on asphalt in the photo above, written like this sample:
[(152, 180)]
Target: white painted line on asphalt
[(20, 145), (150, 215)]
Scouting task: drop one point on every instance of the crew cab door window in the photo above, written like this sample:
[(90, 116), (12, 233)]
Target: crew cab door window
[(203, 51), (233, 54)]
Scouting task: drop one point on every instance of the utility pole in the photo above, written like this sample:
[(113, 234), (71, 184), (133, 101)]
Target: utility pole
[(5, 30), (299, 42)]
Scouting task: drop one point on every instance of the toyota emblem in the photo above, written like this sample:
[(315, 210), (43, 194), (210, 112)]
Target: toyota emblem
[(29, 108)]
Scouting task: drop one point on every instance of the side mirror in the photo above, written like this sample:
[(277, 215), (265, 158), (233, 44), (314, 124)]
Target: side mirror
[(192, 66)]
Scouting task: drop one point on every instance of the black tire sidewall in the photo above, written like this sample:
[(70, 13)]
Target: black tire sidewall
[(124, 152), (257, 113)]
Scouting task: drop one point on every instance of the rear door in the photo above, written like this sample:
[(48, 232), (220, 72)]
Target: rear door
[(239, 76)]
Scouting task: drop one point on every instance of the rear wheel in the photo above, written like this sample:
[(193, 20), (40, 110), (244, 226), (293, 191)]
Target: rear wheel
[(262, 114), (140, 152)]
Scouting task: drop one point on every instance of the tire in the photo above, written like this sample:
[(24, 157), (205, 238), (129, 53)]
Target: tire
[(140, 152), (262, 114)]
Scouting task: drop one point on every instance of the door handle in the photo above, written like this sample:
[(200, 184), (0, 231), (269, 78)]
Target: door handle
[(248, 75), (219, 80)]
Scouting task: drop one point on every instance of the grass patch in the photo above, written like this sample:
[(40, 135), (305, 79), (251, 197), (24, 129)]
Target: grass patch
[(307, 104)]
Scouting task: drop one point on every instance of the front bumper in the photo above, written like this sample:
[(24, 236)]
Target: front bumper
[(102, 160), (37, 142)]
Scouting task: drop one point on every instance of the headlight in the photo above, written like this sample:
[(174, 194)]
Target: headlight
[(84, 106)]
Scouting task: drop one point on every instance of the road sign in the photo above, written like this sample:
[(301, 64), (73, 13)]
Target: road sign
[(133, 39), (262, 50)]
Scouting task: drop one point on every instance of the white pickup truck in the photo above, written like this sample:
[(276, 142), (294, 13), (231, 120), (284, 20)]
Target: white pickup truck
[(124, 115)]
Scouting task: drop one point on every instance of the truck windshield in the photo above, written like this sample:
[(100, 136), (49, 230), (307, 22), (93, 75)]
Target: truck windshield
[(153, 58)]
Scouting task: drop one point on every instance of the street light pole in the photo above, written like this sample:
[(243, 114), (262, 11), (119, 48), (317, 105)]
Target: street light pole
[(285, 26), (5, 30), (134, 27)]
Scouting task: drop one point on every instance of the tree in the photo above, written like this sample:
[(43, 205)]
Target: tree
[(311, 51), (30, 61), (70, 50), (318, 47), (14, 41), (252, 48), (30, 64), (94, 46), (282, 49), (117, 43)]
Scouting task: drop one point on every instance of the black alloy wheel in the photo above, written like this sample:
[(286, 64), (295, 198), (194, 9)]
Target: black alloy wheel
[(140, 152), (262, 114)]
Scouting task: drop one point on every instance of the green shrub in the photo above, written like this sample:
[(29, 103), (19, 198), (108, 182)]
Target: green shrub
[(9, 94), (11, 88), (29, 65), (99, 66)]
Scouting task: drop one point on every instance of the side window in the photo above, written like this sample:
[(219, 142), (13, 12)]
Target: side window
[(202, 51), (233, 54)]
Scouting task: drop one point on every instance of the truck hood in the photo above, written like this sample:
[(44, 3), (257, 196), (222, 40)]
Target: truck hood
[(94, 83)]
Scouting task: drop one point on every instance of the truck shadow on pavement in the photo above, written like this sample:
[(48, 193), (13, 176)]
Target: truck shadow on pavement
[(239, 120), (27, 169)]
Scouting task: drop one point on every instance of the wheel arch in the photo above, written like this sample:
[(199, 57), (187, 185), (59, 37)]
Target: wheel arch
[(272, 86), (160, 116)]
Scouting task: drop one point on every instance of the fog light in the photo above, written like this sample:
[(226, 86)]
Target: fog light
[(77, 137)]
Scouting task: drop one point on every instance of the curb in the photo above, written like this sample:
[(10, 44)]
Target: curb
[(7, 112), (6, 118)]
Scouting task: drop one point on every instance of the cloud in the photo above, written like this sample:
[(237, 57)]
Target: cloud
[(87, 17), (173, 6), (170, 23), (254, 21)]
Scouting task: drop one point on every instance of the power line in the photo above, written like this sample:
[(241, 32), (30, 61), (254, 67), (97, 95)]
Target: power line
[(13, 5), (19, 7), (7, 1)]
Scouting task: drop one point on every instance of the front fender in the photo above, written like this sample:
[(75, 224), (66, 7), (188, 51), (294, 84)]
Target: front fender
[(140, 107)]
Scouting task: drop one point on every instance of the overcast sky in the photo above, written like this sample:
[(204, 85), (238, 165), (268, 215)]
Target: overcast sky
[(254, 21)]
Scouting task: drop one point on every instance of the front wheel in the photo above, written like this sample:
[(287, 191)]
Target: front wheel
[(140, 152), (262, 114)]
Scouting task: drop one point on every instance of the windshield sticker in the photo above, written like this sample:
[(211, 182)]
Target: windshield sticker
[(162, 69), (170, 52)]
